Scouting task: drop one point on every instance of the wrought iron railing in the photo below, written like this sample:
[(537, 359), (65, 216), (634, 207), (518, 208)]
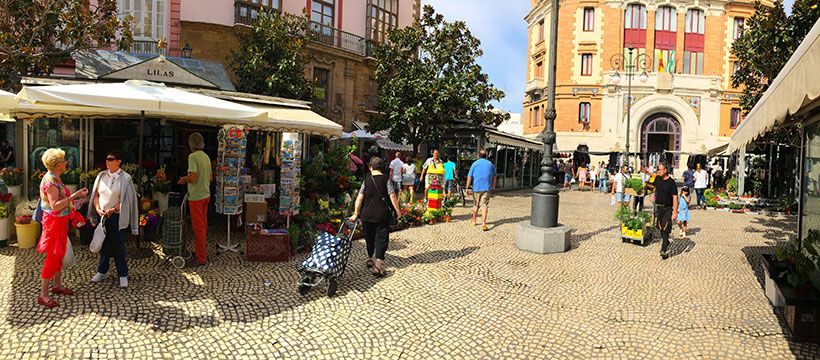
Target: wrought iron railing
[(146, 47), (331, 36)]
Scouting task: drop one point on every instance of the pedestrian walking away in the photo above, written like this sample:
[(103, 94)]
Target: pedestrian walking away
[(374, 210), (618, 186), (56, 205), (450, 177), (482, 176), (396, 171), (114, 198), (408, 179), (666, 206), (199, 193)]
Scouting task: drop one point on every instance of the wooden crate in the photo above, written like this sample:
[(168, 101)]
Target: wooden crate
[(267, 247)]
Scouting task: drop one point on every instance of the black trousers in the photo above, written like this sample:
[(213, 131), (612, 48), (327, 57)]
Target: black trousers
[(663, 220), (377, 237), (638, 204)]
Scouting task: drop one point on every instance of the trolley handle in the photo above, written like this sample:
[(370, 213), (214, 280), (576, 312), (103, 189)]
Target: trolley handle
[(350, 225)]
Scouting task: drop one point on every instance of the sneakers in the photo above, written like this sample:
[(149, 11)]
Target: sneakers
[(123, 282), (99, 277), (484, 227), (664, 255)]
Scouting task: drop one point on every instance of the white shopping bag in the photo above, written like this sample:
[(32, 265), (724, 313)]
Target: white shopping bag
[(99, 237), (69, 261), (612, 201)]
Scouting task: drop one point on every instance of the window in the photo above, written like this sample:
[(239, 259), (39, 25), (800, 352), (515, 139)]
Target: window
[(666, 24), (541, 30), (589, 19), (635, 26), (247, 11), (738, 28), (735, 118), (322, 11), (382, 17), (664, 61), (373, 95), (734, 67), (586, 64), (583, 113), (539, 69), (149, 18), (321, 86), (693, 42), (536, 116)]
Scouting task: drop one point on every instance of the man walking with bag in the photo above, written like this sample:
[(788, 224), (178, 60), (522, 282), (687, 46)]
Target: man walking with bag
[(666, 206)]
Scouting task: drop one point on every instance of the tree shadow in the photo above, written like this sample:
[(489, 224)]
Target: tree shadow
[(576, 240), (680, 246)]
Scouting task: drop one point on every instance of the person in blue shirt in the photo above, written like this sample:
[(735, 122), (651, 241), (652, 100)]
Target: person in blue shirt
[(482, 176), (450, 177)]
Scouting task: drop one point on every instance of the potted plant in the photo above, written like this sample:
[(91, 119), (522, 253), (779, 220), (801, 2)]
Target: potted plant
[(87, 178), (71, 179), (634, 226), (633, 186), (13, 177), (788, 203), (161, 186), (736, 208), (5, 217), (731, 187), (27, 230)]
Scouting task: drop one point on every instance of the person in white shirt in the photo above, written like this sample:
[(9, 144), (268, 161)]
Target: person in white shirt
[(396, 171), (408, 179), (701, 183), (618, 186)]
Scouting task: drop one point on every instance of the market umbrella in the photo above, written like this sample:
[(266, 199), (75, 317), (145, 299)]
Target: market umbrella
[(360, 134), (133, 98), (6, 104)]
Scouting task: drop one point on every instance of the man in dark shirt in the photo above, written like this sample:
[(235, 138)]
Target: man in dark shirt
[(666, 206), (689, 178), (6, 154)]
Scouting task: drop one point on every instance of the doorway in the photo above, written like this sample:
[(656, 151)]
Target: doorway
[(661, 132)]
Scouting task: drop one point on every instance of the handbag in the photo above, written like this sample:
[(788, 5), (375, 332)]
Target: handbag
[(38, 212), (393, 215), (99, 237), (69, 260)]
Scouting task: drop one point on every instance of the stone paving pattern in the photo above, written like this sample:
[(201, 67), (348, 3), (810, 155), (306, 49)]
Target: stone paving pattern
[(453, 292)]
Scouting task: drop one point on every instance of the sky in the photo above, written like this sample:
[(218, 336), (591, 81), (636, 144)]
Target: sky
[(503, 34)]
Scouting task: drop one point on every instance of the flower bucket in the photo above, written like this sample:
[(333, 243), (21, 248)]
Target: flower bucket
[(162, 201), (27, 234), (15, 191)]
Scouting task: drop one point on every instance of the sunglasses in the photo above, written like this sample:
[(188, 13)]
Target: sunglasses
[(111, 159)]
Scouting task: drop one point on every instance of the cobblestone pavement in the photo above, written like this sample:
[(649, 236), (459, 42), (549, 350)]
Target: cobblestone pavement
[(452, 292)]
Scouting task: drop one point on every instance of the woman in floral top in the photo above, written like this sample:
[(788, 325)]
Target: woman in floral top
[(55, 201)]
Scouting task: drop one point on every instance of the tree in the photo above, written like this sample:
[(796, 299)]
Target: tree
[(428, 78), (271, 60), (768, 41), (35, 35)]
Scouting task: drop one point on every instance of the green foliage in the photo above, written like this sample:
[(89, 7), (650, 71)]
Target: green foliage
[(329, 173), (429, 78), (712, 203), (632, 221), (770, 31), (757, 185), (709, 194), (801, 260), (634, 184), (71, 176), (35, 35), (270, 59), (731, 186), (735, 206)]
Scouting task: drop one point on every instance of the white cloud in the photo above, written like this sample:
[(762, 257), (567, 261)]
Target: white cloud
[(503, 33)]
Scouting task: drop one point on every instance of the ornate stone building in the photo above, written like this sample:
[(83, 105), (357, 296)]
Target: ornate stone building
[(684, 102)]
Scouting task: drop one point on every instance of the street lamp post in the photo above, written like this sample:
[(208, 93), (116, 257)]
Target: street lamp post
[(630, 66), (542, 234)]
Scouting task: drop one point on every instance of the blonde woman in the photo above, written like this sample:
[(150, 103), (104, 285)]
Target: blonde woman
[(55, 201)]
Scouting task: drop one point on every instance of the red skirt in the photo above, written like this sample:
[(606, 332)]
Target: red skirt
[(53, 242)]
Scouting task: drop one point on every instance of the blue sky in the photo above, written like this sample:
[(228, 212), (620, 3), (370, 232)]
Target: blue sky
[(503, 35)]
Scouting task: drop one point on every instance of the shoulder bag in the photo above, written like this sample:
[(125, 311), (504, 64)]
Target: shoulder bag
[(390, 209)]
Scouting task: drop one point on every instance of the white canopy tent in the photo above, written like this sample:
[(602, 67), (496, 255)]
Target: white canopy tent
[(797, 84), (6, 103)]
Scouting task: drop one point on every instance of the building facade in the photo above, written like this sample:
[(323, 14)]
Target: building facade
[(339, 60), (682, 98)]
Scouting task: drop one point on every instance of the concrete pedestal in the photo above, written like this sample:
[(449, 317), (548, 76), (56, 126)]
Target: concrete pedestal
[(542, 240)]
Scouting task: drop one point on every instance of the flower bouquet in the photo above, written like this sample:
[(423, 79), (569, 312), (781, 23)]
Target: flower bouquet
[(71, 176), (160, 182), (89, 176), (37, 176), (12, 176)]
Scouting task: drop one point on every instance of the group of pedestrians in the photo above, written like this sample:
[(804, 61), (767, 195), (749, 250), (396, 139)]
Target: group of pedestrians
[(587, 176), (113, 205)]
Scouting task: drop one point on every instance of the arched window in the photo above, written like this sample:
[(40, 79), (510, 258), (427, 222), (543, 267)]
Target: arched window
[(693, 42), (666, 24), (634, 31)]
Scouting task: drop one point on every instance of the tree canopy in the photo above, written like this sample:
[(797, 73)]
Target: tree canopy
[(35, 35), (270, 60), (428, 78)]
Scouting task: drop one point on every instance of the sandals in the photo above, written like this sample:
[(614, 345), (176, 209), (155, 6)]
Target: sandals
[(378, 272), (62, 291), (370, 263), (51, 303)]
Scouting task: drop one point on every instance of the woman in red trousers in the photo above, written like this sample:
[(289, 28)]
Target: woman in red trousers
[(55, 201)]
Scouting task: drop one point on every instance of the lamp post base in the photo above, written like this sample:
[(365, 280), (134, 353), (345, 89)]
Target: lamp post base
[(542, 240)]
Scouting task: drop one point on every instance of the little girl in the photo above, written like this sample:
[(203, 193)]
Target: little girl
[(683, 211)]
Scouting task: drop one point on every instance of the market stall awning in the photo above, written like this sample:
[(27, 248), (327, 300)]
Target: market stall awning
[(718, 150), (388, 144), (797, 84), (296, 118), (6, 104), (498, 137), (131, 98), (360, 134)]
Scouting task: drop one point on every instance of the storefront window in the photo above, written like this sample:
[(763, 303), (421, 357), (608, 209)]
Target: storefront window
[(811, 181), (51, 133)]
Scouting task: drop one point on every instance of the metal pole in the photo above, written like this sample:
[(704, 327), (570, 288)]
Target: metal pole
[(628, 74), (142, 123), (545, 194)]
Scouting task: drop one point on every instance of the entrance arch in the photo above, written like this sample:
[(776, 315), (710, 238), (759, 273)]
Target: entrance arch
[(659, 132)]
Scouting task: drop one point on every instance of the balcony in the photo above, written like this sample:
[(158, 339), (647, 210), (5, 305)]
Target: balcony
[(146, 47), (535, 84), (336, 38), (246, 12)]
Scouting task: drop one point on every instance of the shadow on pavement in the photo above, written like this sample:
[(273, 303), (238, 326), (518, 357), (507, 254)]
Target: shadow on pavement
[(680, 246), (576, 240)]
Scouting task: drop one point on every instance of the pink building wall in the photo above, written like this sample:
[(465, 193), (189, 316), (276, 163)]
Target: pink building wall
[(219, 12)]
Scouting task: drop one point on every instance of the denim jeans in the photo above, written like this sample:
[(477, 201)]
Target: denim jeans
[(113, 233), (602, 185), (701, 197)]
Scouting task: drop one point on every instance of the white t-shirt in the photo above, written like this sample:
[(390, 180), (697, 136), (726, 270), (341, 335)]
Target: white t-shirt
[(396, 165), (701, 179), (619, 182), (409, 175)]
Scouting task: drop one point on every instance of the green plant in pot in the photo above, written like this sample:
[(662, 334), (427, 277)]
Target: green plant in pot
[(800, 262), (731, 186), (71, 176), (634, 184)]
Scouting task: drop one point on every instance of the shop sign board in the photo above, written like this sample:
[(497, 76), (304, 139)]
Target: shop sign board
[(161, 70)]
